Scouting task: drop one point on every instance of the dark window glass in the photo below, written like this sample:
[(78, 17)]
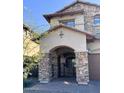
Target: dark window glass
[(70, 23), (96, 20)]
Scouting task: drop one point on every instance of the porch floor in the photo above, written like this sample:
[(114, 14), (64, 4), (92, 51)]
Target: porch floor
[(64, 85)]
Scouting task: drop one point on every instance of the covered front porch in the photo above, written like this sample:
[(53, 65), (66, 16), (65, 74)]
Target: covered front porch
[(64, 62)]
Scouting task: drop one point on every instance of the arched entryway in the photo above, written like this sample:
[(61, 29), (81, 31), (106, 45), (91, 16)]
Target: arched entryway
[(63, 62)]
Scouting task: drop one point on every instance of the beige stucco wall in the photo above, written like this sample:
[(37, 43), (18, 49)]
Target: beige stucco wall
[(94, 47), (75, 40), (79, 20)]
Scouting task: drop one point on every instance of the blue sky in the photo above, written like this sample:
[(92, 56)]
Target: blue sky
[(34, 9)]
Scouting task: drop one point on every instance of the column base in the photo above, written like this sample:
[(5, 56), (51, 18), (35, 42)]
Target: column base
[(83, 83), (44, 81)]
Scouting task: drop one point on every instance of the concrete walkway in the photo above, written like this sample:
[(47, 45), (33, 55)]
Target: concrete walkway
[(64, 85)]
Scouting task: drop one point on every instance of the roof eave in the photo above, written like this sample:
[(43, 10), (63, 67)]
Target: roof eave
[(49, 16), (46, 17), (88, 3), (88, 36)]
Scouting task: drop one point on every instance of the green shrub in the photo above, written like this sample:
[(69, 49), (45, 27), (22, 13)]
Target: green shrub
[(29, 63)]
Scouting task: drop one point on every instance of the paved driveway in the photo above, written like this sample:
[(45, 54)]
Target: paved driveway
[(64, 86)]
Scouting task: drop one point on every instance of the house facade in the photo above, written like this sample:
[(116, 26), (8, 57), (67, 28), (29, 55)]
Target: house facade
[(72, 46)]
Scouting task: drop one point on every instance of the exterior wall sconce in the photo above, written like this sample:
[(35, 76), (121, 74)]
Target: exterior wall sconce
[(61, 34)]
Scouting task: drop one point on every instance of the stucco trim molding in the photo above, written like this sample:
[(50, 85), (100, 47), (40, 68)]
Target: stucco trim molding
[(72, 29)]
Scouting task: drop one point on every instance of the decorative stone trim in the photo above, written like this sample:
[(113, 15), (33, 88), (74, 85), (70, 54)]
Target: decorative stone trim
[(82, 72), (44, 69), (54, 69)]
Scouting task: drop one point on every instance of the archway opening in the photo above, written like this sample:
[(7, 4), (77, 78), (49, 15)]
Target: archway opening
[(63, 62)]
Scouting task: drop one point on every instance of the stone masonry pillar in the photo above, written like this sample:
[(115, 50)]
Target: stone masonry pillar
[(82, 72), (53, 61), (45, 69)]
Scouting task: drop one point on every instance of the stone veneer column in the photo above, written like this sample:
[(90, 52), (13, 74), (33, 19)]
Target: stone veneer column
[(82, 72), (53, 61), (45, 69)]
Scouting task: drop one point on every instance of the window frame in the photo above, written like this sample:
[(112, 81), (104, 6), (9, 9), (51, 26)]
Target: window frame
[(96, 20), (65, 22)]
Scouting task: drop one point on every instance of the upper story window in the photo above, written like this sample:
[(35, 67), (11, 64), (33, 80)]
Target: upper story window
[(97, 20), (70, 23), (97, 33)]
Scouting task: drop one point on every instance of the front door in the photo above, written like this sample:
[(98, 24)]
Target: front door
[(66, 69), (69, 67)]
